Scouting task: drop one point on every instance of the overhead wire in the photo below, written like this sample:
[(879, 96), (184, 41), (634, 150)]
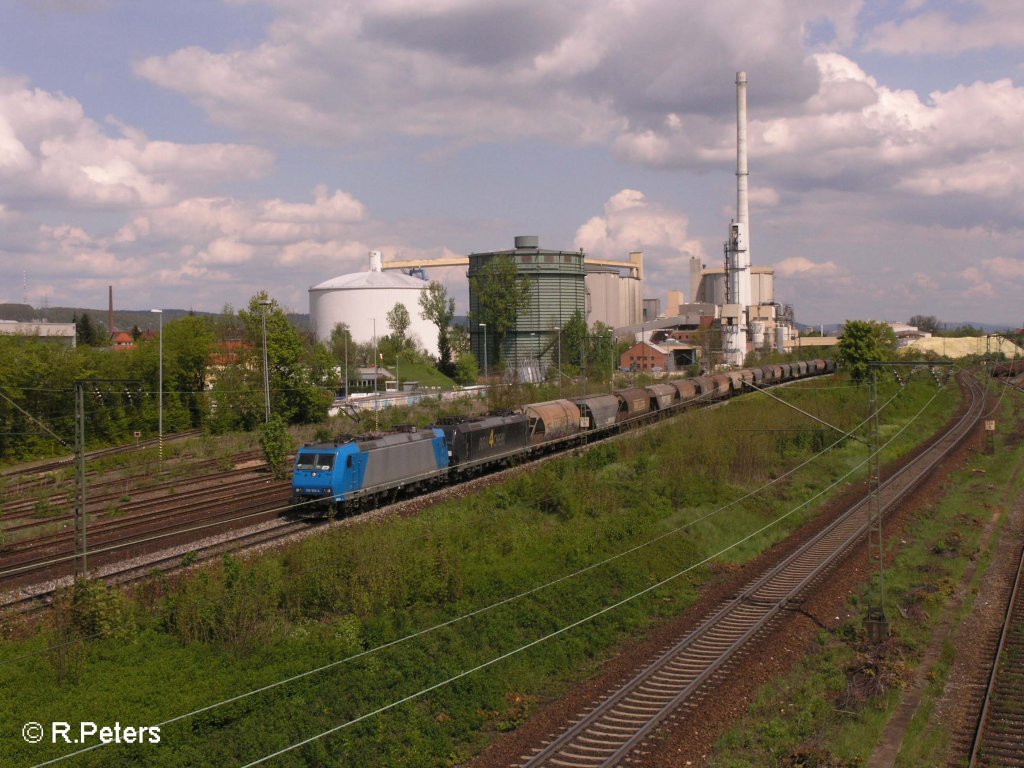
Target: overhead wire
[(534, 590), (33, 418), (584, 620), (526, 593)]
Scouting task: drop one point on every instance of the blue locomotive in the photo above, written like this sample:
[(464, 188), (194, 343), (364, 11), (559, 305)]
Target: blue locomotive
[(352, 472), (355, 470)]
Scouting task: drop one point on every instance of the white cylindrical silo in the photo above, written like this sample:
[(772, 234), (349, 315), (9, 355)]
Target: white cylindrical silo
[(757, 335), (360, 298), (781, 338)]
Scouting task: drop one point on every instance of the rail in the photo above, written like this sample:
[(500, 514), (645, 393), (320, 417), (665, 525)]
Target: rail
[(618, 725)]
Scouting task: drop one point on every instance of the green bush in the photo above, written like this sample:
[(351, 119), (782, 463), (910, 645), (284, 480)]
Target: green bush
[(277, 445)]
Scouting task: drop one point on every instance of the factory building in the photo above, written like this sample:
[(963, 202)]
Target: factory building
[(558, 291), (613, 298), (665, 356), (60, 333), (362, 300), (712, 286)]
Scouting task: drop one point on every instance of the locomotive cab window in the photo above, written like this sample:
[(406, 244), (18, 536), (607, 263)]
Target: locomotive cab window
[(325, 461), (306, 461)]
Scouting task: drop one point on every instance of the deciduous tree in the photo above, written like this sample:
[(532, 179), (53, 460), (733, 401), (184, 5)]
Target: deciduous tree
[(399, 321), (438, 308), (501, 294), (864, 342)]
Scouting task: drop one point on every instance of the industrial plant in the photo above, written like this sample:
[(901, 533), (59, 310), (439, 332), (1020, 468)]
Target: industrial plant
[(732, 308)]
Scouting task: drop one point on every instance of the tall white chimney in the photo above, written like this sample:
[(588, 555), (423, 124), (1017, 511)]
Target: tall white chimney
[(742, 174), (737, 247)]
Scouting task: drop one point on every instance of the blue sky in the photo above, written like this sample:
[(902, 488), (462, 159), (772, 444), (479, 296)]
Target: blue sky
[(193, 153)]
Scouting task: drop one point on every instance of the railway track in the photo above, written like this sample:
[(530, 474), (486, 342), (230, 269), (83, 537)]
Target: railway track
[(52, 465), (613, 730), (20, 507), (146, 529), (999, 737), (231, 509), (143, 568)]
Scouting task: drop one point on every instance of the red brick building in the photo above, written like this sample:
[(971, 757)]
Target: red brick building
[(669, 355)]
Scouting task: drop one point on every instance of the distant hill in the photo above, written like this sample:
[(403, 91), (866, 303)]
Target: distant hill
[(833, 329), (124, 319)]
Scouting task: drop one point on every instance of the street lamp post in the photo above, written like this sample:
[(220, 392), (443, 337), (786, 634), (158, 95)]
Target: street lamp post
[(266, 369), (160, 389), (484, 326), (558, 336), (583, 366), (611, 362)]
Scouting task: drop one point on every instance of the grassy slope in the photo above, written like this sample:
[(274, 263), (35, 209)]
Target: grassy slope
[(809, 711), (242, 625)]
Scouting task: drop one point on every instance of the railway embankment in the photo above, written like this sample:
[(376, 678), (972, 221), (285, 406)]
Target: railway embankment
[(826, 695), (483, 601)]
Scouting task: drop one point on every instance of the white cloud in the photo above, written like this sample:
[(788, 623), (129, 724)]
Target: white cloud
[(53, 156), (799, 266), (578, 71), (976, 25), (854, 134), (1006, 268), (977, 284), (632, 223)]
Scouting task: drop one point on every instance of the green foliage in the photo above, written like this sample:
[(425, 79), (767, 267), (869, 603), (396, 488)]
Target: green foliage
[(277, 445), (83, 612), (188, 344), (864, 342), (467, 370), (501, 294), (242, 624), (300, 371), (928, 323), (89, 333), (399, 321), (438, 308), (961, 330)]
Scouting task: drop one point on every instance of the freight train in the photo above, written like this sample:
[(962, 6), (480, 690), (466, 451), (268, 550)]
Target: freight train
[(350, 473)]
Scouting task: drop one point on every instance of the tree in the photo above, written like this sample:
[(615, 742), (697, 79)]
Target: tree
[(399, 321), (188, 344), (863, 342), (297, 377), (459, 338), (342, 350), (438, 308), (501, 293), (88, 333), (466, 369), (276, 444), (602, 359), (962, 330), (574, 342), (927, 323)]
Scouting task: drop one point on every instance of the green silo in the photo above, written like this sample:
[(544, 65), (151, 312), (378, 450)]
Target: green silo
[(558, 291)]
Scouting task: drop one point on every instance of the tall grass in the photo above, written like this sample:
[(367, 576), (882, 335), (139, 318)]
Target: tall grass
[(248, 622)]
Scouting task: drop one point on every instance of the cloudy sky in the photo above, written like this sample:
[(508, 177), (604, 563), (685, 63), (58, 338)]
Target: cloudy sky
[(192, 153)]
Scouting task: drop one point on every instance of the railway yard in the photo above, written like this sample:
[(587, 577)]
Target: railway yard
[(693, 687)]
